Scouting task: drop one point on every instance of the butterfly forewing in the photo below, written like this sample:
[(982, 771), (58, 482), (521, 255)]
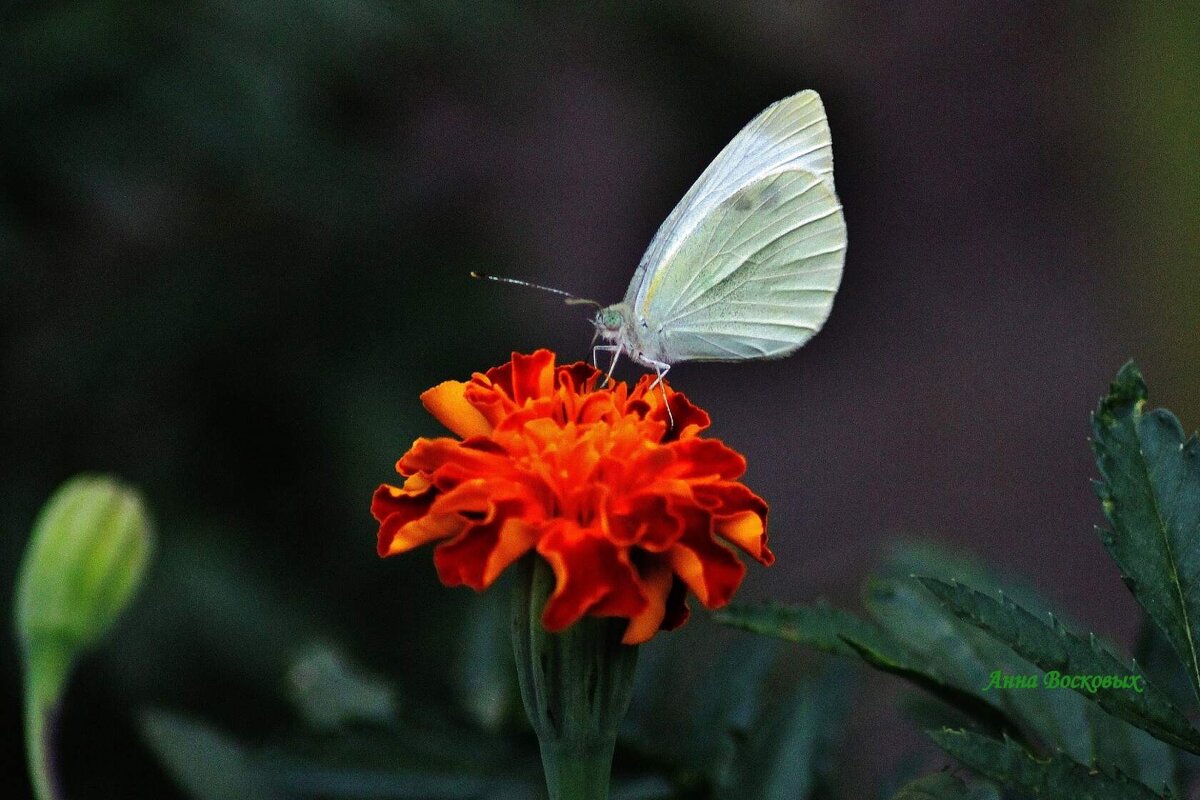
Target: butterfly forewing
[(791, 133), (757, 276)]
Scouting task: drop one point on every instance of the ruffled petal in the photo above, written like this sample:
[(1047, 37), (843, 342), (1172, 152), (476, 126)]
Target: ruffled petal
[(478, 555), (709, 568), (448, 404), (448, 463), (654, 579), (698, 459), (405, 522), (647, 522), (630, 511), (677, 607), (739, 515), (591, 576)]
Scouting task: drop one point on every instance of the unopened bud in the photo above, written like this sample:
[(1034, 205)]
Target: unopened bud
[(84, 563)]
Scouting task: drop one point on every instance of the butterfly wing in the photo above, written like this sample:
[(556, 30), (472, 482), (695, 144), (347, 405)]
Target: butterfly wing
[(755, 278), (791, 133)]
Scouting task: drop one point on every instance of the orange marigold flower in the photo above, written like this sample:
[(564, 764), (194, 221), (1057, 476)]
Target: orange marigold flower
[(629, 512)]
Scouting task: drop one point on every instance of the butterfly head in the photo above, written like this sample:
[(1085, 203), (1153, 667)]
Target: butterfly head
[(611, 321)]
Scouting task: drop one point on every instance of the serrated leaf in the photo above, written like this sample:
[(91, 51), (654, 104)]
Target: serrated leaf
[(839, 632), (1135, 752), (1150, 491), (965, 658), (1053, 648), (1054, 778), (1060, 719), (819, 626)]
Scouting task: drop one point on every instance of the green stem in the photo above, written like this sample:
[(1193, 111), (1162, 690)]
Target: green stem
[(39, 744), (47, 665)]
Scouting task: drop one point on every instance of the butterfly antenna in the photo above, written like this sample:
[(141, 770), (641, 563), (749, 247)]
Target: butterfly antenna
[(572, 300)]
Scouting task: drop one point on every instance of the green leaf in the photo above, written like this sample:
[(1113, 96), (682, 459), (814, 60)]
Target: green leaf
[(207, 764), (1054, 778), (786, 749), (1060, 719), (1131, 750), (1053, 648), (965, 658), (727, 708), (414, 761), (839, 632), (1150, 491), (819, 626)]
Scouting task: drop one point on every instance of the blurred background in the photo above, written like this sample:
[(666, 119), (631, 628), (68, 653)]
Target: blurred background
[(235, 240)]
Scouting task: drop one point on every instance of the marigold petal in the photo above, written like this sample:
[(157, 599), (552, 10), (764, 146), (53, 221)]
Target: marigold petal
[(591, 576), (739, 515), (677, 607), (707, 458), (710, 569), (629, 511), (489, 399), (747, 531), (647, 522), (390, 500), (578, 378), (655, 580), (404, 520), (398, 538), (448, 463), (478, 555), (447, 402), (479, 498), (525, 377)]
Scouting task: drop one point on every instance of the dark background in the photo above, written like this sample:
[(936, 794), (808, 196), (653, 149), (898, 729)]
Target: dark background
[(234, 246)]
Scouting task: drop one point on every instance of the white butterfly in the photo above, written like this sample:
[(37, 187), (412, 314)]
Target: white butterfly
[(747, 264)]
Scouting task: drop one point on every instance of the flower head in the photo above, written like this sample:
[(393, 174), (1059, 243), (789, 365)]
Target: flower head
[(629, 511)]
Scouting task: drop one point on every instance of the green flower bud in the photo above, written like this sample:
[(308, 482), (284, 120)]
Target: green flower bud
[(84, 563)]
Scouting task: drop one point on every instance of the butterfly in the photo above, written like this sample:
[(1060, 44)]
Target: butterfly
[(747, 264)]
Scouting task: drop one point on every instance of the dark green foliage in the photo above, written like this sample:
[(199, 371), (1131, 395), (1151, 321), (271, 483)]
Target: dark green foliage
[(1052, 647), (787, 748), (1097, 741), (1055, 777), (1150, 491)]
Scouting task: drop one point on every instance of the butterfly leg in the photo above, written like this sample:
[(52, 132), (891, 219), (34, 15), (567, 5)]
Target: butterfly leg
[(615, 349), (661, 368)]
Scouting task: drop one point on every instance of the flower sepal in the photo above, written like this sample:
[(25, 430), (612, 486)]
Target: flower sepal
[(575, 686)]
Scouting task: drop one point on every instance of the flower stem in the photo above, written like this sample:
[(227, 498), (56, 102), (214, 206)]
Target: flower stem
[(575, 686), (40, 723), (47, 666)]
